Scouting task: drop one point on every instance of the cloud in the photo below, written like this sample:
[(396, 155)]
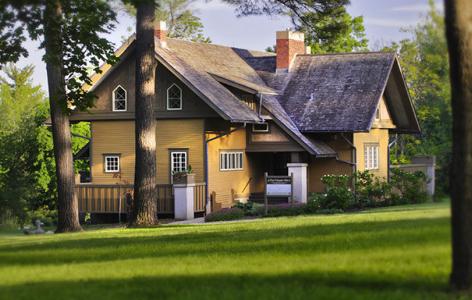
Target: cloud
[(416, 8), (395, 23)]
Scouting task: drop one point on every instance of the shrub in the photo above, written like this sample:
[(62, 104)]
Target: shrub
[(410, 186), (226, 214), (250, 208), (45, 215), (370, 191), (285, 209), (338, 193)]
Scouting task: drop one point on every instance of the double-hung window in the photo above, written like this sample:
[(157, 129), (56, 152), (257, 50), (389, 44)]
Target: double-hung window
[(112, 163), (371, 156), (178, 161), (120, 99), (231, 160)]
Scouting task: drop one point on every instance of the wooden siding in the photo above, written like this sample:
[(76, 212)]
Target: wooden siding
[(180, 134), (223, 183), (274, 140), (318, 167), (375, 136), (124, 75), (385, 120), (117, 137)]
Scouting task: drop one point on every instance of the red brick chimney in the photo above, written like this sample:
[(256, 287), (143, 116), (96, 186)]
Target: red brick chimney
[(289, 44), (160, 32)]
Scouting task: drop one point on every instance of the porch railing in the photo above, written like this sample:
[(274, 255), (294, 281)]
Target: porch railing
[(199, 197), (107, 198)]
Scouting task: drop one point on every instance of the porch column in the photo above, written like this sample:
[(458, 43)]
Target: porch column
[(300, 181), (183, 201)]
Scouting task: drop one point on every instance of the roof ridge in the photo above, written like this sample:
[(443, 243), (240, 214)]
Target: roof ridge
[(348, 53)]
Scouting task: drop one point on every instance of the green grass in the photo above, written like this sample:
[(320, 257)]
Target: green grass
[(393, 253)]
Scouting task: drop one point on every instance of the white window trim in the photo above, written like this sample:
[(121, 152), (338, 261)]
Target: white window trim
[(239, 160), (371, 151), (180, 108), (106, 165), (126, 99), (258, 130), (172, 159)]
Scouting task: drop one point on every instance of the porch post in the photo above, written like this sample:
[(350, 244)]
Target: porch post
[(183, 201), (300, 181)]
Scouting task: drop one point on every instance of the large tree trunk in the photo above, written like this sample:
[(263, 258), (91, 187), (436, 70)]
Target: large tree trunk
[(67, 206), (145, 197), (459, 37)]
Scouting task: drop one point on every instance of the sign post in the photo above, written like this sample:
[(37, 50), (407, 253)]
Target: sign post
[(277, 186)]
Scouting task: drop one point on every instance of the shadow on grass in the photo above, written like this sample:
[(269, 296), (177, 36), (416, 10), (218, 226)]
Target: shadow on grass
[(310, 239), (307, 285)]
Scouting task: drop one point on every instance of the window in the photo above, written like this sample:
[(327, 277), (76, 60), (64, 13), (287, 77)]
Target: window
[(377, 114), (178, 161), (112, 163), (231, 160), (263, 127), (174, 98), (120, 99), (371, 156)]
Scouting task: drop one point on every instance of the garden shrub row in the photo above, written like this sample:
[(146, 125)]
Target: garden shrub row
[(342, 193)]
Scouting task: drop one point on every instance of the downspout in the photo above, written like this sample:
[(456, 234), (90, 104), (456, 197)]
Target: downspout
[(207, 191), (388, 156)]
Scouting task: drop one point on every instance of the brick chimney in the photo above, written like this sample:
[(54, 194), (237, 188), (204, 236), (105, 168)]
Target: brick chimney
[(160, 32), (289, 44)]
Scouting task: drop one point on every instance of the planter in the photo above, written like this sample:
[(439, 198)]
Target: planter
[(183, 178)]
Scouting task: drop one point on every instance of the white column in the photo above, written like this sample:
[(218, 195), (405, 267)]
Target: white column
[(183, 201), (300, 181)]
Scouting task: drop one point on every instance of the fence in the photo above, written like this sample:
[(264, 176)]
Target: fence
[(199, 197)]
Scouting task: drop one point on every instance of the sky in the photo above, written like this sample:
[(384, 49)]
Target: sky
[(383, 20)]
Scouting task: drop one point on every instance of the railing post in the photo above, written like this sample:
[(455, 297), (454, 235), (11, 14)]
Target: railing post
[(184, 201)]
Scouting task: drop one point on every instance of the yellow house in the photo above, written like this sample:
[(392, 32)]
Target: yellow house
[(235, 114)]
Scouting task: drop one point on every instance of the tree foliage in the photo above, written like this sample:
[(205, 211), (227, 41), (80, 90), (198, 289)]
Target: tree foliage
[(333, 30), (82, 27), (180, 18), (426, 68), (27, 166)]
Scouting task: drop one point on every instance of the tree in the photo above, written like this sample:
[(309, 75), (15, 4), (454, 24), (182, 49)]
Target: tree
[(180, 18), (21, 113), (426, 69), (145, 197), (332, 30), (459, 38), (71, 39)]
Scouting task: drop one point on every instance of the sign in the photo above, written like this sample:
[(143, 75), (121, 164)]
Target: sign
[(279, 186)]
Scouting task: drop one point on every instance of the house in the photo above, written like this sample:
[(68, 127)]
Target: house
[(234, 114)]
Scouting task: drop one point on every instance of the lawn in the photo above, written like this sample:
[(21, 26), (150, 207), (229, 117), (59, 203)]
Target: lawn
[(394, 253)]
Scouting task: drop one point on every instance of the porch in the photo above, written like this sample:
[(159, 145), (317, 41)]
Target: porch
[(110, 199)]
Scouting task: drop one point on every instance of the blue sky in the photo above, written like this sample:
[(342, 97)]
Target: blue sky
[(383, 20)]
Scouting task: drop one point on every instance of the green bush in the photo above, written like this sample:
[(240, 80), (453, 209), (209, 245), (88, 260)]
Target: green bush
[(338, 192), (370, 191), (45, 215), (226, 214), (410, 186), (250, 208)]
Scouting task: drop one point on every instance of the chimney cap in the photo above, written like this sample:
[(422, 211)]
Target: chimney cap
[(160, 25), (290, 35)]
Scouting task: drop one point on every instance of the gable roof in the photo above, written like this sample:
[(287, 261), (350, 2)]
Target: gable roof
[(339, 92), (321, 93)]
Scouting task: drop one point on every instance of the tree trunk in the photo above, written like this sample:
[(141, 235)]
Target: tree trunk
[(459, 37), (145, 197), (67, 206)]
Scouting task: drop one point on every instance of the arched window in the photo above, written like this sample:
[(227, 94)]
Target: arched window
[(174, 97), (120, 99)]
